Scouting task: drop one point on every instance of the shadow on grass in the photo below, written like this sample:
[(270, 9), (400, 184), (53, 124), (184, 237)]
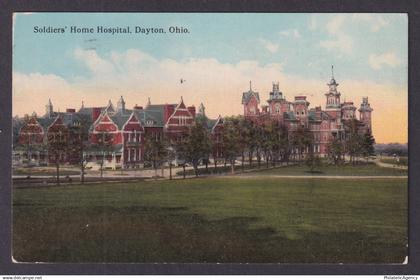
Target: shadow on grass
[(314, 172), (174, 234)]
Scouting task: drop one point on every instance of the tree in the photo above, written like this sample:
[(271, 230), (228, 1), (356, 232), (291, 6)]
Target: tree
[(57, 141), (335, 151), (253, 140), (230, 141), (197, 145), (244, 126), (302, 139), (267, 140), (368, 142), (105, 143), (353, 143), (170, 156), (79, 142), (312, 160), (155, 151), (181, 154)]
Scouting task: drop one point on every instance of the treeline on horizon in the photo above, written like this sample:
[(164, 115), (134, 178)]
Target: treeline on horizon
[(392, 148)]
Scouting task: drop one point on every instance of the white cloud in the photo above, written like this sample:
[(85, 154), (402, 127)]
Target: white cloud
[(334, 25), (270, 46), (137, 75), (313, 24), (290, 32), (339, 41), (343, 43), (376, 61), (376, 22), (95, 63)]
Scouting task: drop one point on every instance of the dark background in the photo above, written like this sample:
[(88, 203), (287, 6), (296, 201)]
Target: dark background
[(7, 7)]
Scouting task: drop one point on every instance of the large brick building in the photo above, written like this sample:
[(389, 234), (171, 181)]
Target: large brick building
[(114, 132), (123, 131), (325, 124)]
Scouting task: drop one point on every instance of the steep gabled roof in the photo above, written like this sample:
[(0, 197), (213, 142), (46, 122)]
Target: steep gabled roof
[(152, 117), (119, 119), (246, 96), (45, 122)]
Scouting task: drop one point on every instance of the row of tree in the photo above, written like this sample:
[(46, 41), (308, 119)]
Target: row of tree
[(269, 141)]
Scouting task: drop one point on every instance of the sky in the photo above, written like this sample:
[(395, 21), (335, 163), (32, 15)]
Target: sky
[(217, 58)]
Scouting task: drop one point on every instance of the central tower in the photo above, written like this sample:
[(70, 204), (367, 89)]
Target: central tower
[(333, 106)]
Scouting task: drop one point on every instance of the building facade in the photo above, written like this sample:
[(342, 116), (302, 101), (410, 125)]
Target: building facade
[(325, 125), (114, 136)]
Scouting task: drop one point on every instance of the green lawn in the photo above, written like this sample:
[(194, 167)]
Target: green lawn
[(43, 171), (403, 161), (214, 220), (361, 169)]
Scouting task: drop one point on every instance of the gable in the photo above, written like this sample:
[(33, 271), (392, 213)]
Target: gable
[(104, 123), (133, 123)]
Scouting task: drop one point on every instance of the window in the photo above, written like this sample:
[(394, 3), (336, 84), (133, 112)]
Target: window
[(182, 120)]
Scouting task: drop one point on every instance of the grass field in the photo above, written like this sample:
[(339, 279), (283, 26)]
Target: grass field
[(214, 220), (361, 169), (364, 169), (43, 171), (403, 161)]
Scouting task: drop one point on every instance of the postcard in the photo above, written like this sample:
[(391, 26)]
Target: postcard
[(210, 138)]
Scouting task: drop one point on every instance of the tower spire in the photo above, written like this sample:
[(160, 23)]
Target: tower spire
[(250, 86), (332, 71)]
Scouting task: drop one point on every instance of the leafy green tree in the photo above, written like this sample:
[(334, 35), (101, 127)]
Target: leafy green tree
[(197, 145), (231, 137), (104, 145), (181, 152), (244, 126), (268, 140), (312, 160), (155, 151), (336, 151), (368, 142), (57, 142), (253, 141), (302, 138), (79, 142), (170, 156), (354, 141)]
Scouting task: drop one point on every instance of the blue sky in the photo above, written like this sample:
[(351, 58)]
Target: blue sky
[(227, 37), (218, 57)]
